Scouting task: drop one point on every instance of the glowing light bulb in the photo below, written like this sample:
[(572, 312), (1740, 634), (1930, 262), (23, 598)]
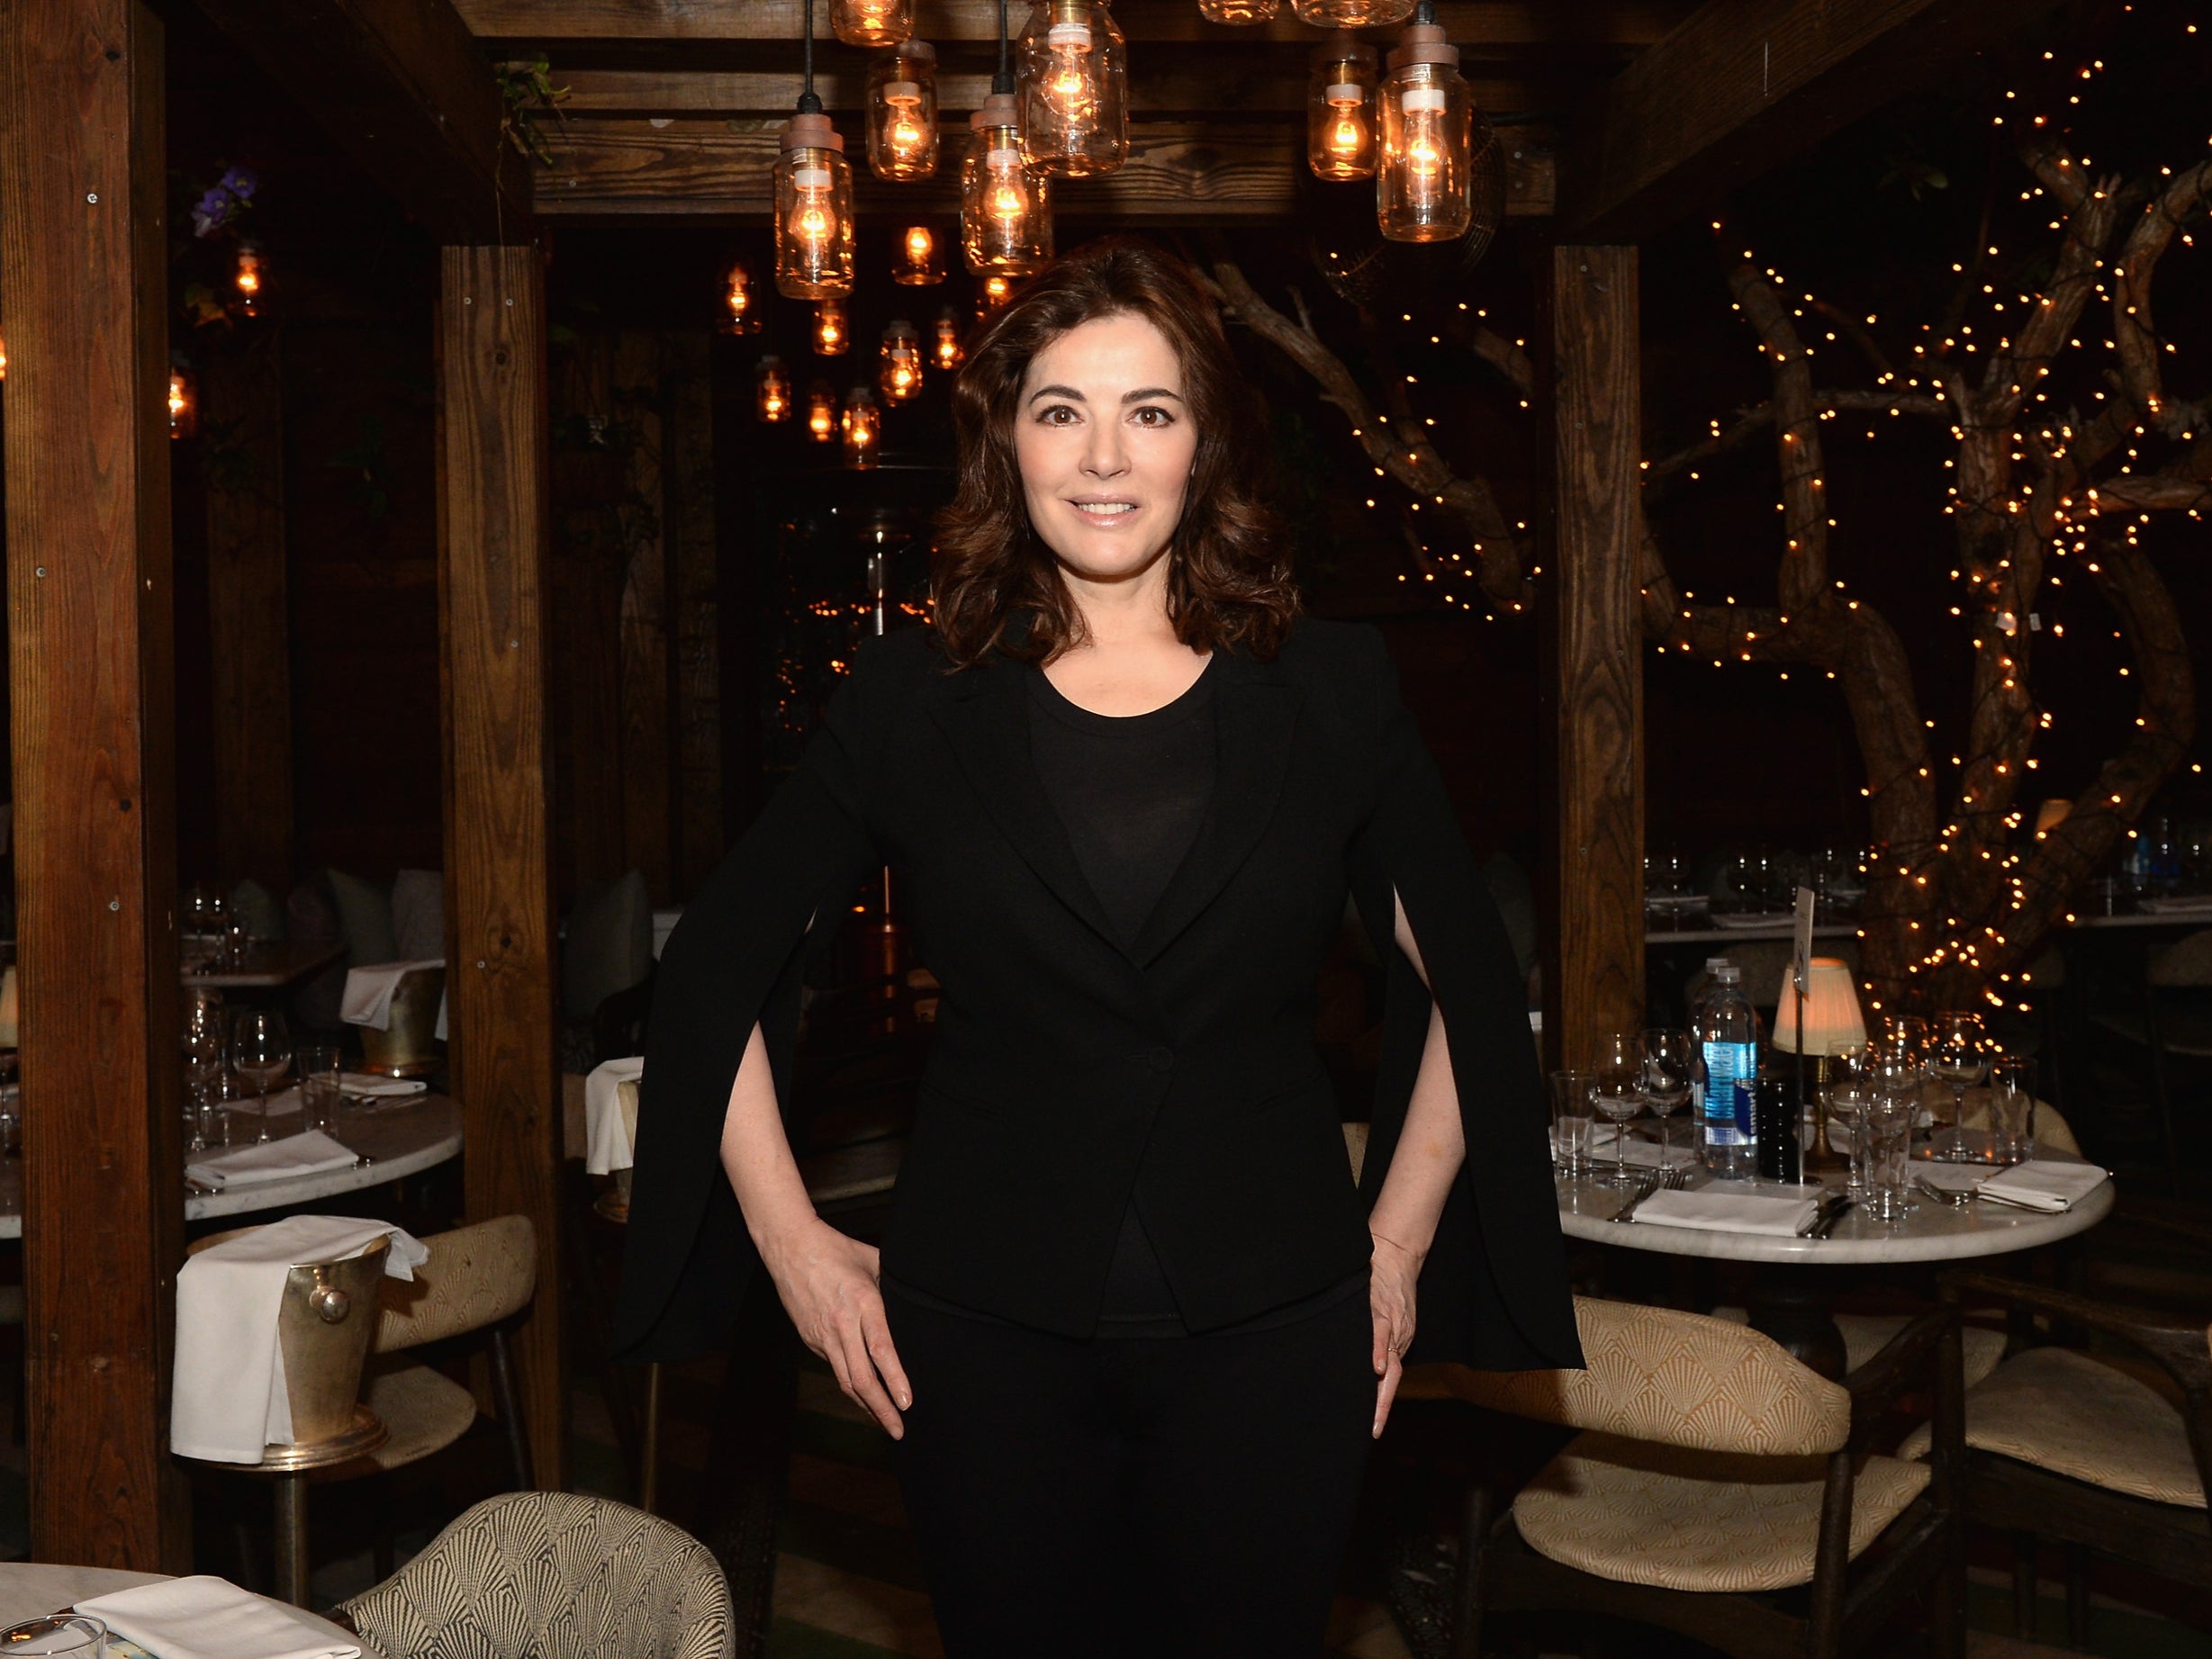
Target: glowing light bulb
[(950, 353), (918, 266), (821, 412), (814, 218), (737, 302), (1006, 210), (248, 280), (901, 373), (902, 112), (829, 328), (1074, 80)]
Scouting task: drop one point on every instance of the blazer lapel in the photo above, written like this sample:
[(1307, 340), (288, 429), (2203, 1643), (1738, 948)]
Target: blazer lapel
[(1256, 711), (985, 716)]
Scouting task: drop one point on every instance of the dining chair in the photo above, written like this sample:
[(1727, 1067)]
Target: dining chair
[(550, 1575), (1719, 1488), (2108, 1452), (2174, 1028)]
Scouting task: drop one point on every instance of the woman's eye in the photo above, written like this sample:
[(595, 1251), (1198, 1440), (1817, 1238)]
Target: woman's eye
[(1151, 415)]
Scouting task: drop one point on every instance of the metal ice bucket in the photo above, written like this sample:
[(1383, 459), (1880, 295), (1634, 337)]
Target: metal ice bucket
[(324, 1327), (408, 1046)]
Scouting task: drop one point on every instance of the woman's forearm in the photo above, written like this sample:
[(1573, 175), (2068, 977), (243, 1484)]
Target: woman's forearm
[(757, 1156), (1430, 1149)]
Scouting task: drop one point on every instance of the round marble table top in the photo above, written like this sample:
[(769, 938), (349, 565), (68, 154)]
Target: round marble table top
[(1935, 1230), (404, 1138), (32, 1590)]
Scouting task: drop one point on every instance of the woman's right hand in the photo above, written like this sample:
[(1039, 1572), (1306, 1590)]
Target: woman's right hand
[(828, 1283)]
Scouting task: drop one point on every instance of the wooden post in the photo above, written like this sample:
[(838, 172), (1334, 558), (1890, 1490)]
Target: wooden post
[(1594, 984), (493, 440), (241, 426), (648, 831), (84, 260)]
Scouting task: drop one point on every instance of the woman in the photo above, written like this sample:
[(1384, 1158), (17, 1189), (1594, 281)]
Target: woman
[(1132, 1325)]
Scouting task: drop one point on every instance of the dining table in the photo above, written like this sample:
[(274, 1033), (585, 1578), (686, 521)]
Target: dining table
[(267, 964), (32, 1590), (1794, 1281), (394, 1139)]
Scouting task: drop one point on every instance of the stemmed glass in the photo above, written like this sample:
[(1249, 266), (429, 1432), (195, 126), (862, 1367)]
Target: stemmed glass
[(1959, 1055), (261, 1052), (1669, 1064), (203, 1045), (1616, 1090), (1852, 1087)]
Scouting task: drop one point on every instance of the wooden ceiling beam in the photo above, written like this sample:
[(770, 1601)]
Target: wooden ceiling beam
[(402, 87), (1480, 25), (715, 169), (1741, 86)]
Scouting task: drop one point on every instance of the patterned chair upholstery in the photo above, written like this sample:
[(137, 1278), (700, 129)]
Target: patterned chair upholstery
[(1711, 1465), (551, 1575)]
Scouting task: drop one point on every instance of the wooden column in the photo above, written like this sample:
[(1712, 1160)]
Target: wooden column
[(242, 427), (83, 261), (492, 582), (1594, 982)]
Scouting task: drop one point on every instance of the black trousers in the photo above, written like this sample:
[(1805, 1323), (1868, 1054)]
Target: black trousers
[(1140, 1498)]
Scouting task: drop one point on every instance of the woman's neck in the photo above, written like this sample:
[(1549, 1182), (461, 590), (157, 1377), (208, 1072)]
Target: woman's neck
[(1130, 661)]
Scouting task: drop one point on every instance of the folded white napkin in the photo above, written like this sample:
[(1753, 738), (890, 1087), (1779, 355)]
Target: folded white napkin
[(227, 1399), (609, 1131), (368, 991), (1713, 1209), (2045, 1184), (1950, 1178), (311, 1153), (380, 1088), (211, 1619)]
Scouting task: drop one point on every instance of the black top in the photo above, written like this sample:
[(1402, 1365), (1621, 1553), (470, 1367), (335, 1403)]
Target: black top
[(1129, 789)]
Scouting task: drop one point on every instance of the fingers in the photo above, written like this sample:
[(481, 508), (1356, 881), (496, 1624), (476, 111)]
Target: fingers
[(865, 1386), (1378, 1356), (877, 1331), (1385, 1392)]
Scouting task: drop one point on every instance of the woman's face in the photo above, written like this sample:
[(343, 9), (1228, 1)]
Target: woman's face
[(1105, 443)]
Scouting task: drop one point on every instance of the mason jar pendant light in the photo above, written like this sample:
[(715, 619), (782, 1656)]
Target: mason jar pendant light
[(864, 429), (918, 266), (901, 373), (1351, 14), (821, 412), (1075, 89), (772, 389), (1005, 210), (1422, 184), (1238, 11), (248, 278), (950, 353), (830, 333), (902, 112), (1340, 111), (997, 289), (871, 22), (740, 314), (814, 199)]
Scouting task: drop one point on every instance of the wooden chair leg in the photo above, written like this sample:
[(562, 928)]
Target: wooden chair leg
[(1467, 1620), (2023, 1585), (510, 1409), (2077, 1598)]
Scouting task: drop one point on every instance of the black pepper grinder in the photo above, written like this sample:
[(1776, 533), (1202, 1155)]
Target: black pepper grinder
[(1774, 1115)]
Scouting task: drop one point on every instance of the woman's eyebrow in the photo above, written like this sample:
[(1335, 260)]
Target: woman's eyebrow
[(1057, 392), (1152, 392)]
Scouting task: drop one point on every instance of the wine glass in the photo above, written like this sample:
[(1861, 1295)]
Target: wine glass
[(1852, 1083), (1958, 1054), (202, 1047), (1616, 1090), (261, 1052), (1669, 1059)]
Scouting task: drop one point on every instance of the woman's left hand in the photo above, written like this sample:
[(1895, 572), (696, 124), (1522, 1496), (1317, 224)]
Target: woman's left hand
[(1392, 1271)]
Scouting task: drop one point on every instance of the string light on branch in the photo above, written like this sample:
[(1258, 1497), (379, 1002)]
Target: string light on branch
[(918, 266), (740, 314), (1074, 81), (1339, 109), (831, 332), (902, 113), (900, 376), (771, 392), (813, 198)]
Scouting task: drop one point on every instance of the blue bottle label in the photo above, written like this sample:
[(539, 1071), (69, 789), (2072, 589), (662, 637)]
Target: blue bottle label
[(1725, 1101)]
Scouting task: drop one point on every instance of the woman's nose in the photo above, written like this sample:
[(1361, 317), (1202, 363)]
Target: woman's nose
[(1104, 455)]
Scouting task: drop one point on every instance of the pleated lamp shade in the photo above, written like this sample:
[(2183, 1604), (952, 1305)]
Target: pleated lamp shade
[(1832, 1019)]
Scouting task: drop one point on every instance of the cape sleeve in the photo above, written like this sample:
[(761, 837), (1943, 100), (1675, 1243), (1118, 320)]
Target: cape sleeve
[(1494, 1291), (735, 961)]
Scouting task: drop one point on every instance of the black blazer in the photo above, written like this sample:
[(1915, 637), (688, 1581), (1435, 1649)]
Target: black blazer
[(1068, 1070)]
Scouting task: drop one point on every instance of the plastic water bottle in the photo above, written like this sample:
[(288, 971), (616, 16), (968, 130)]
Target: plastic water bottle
[(1728, 1055)]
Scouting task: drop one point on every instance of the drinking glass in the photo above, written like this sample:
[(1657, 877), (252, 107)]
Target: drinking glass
[(2013, 1108), (1851, 1089), (1958, 1054), (1616, 1090), (78, 1636), (202, 1065), (261, 1052), (319, 1085), (1669, 1067), (1572, 1120), (1882, 1147)]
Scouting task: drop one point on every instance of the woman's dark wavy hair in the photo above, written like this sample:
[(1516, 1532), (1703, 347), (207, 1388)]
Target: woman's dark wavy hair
[(1228, 572)]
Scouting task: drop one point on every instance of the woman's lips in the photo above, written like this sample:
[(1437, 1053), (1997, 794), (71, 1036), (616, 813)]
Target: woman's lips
[(1104, 515)]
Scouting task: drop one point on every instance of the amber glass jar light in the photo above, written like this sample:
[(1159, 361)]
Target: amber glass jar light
[(821, 412), (184, 403), (1074, 78), (831, 333), (918, 266), (864, 429), (814, 211), (249, 279), (1005, 210), (901, 373), (1421, 180), (1238, 11), (902, 112), (1351, 14), (871, 22), (1340, 111), (771, 392), (741, 312), (950, 352)]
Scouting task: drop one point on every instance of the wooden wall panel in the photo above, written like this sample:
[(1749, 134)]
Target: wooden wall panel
[(648, 834), (83, 261), (588, 692), (688, 472), (1595, 984), (249, 623), (493, 456)]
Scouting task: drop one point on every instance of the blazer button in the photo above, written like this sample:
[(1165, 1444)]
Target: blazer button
[(1160, 1059)]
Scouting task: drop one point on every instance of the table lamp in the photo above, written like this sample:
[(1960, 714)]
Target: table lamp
[(1832, 1024)]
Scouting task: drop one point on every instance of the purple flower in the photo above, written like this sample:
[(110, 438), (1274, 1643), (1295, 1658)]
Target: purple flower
[(225, 200)]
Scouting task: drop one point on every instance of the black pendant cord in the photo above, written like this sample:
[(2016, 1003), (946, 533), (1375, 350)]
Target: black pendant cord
[(1425, 12), (1003, 81), (808, 103)]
